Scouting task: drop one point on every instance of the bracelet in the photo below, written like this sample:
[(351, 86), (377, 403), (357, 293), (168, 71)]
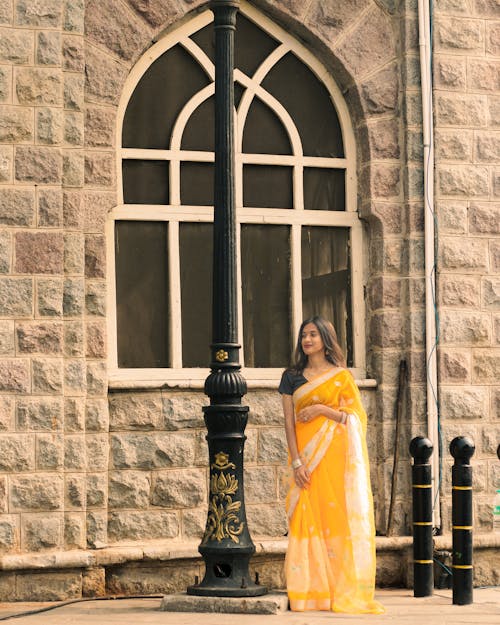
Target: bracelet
[(296, 463), (343, 418)]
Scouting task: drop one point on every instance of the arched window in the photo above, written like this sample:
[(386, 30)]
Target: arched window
[(299, 236)]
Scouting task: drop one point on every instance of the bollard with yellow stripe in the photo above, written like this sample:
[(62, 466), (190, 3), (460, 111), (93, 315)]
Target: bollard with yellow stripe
[(423, 565), (462, 449)]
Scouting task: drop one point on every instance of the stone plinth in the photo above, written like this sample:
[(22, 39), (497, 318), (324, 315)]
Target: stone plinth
[(273, 603)]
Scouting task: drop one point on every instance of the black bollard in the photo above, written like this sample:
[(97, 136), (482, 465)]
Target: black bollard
[(423, 564), (462, 449)]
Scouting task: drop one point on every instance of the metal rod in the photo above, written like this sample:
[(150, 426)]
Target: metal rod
[(462, 449), (423, 564)]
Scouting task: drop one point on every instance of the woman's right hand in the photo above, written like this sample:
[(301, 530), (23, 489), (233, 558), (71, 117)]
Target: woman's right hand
[(302, 476)]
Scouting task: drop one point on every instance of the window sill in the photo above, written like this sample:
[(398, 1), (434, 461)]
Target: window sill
[(151, 379)]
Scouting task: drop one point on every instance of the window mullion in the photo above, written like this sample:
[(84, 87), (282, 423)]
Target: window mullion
[(175, 295), (357, 297), (296, 271)]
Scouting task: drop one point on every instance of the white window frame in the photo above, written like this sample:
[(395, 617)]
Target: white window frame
[(175, 213)]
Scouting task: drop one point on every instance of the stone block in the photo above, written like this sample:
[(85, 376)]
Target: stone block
[(49, 452), (387, 256), (95, 298), (98, 449), (96, 339), (72, 209), (267, 520), (450, 72), (464, 403), (193, 523), (454, 145), (49, 297), (484, 218), (96, 206), (7, 345), (97, 531), (491, 293), (47, 376), (14, 375), (459, 34), (265, 408), (74, 254), (384, 139), (17, 452), (46, 13), (97, 378), (5, 84), (74, 452), (380, 92), (73, 92), (36, 493), (385, 180), (463, 291), (75, 372), (465, 328), (455, 365), (38, 87), (75, 491), (16, 124), (490, 436), (4, 506), (6, 158), (183, 410), (49, 126), (74, 414), (97, 490), (73, 53), (495, 182), (104, 77), (10, 532), (50, 208), (41, 531), (329, 24), (49, 586), (94, 582), (96, 415), (129, 489), (48, 48), (73, 16), (486, 365), (494, 111), (272, 447), (179, 488), (74, 531), (143, 525), (39, 253), (483, 75), (100, 127), (95, 256), (157, 12), (74, 339), (73, 166), (387, 329), (17, 207), (74, 292), (16, 46), (39, 414), (468, 111), (99, 169), (460, 253), (255, 478), (152, 451), (7, 405), (487, 147), (463, 180), (35, 337), (389, 219), (73, 128)]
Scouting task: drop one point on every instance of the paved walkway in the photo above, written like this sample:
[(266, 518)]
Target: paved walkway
[(402, 609)]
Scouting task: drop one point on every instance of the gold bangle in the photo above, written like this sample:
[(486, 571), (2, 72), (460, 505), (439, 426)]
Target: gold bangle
[(296, 463)]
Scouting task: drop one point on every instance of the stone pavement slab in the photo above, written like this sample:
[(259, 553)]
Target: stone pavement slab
[(402, 609)]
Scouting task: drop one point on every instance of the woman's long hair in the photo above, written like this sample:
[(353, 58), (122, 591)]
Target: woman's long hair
[(333, 351)]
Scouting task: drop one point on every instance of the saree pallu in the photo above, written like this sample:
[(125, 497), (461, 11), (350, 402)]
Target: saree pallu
[(330, 561)]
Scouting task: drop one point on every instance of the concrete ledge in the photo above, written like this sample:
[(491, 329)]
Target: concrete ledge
[(273, 603)]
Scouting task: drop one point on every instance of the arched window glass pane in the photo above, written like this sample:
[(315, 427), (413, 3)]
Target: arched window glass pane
[(251, 45), (264, 132), (159, 98), (199, 131), (267, 186), (142, 312), (197, 184), (307, 100), (145, 182), (195, 242), (265, 270), (324, 189), (326, 280)]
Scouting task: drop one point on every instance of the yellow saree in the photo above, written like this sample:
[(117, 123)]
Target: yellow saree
[(330, 562)]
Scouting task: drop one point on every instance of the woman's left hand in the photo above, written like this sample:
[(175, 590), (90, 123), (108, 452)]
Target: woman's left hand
[(310, 412)]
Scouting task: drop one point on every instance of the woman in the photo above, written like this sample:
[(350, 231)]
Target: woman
[(330, 562)]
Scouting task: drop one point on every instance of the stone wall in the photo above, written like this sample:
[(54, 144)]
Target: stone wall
[(467, 117)]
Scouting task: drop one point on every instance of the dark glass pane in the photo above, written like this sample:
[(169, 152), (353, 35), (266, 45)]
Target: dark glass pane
[(239, 90), (307, 100), (145, 182), (264, 133), (197, 184), (324, 189), (326, 280), (251, 44), (142, 309), (199, 131), (267, 186), (265, 269), (159, 98), (195, 240)]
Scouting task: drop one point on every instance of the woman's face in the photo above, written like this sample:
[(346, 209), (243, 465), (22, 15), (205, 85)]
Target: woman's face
[(311, 340)]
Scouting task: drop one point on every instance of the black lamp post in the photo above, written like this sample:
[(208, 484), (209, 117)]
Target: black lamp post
[(226, 546)]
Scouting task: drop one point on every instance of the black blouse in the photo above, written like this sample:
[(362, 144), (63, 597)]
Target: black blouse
[(290, 382)]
